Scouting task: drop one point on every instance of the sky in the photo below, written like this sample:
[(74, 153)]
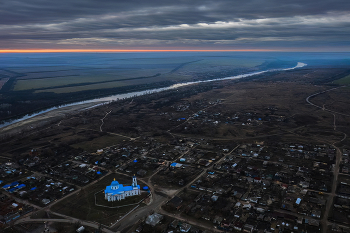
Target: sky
[(278, 25)]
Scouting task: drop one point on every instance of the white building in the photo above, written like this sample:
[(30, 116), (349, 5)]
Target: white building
[(117, 192)]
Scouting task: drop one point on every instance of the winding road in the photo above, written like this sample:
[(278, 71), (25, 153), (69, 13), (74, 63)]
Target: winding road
[(322, 107)]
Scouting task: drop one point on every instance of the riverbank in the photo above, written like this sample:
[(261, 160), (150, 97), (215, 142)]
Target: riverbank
[(45, 118)]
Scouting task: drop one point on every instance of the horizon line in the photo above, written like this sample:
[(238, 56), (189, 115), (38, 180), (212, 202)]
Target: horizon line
[(129, 50)]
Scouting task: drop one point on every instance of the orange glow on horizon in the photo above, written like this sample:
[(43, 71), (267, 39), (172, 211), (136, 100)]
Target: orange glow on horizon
[(128, 50)]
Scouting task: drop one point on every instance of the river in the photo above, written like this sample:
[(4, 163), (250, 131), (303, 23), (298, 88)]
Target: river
[(108, 99)]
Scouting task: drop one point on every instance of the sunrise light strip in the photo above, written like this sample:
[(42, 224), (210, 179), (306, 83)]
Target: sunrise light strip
[(127, 50)]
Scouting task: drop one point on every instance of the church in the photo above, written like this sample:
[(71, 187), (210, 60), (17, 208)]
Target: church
[(117, 192)]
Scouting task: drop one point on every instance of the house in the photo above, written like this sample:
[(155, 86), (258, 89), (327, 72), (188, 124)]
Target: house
[(9, 217), (247, 206), (176, 202), (185, 227), (248, 228), (174, 223), (6, 186), (218, 219), (238, 225), (214, 198), (45, 201), (316, 213), (154, 219)]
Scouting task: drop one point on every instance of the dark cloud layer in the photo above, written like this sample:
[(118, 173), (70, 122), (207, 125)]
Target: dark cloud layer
[(230, 24)]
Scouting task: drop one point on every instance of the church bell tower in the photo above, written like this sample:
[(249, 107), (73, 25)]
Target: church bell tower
[(134, 181)]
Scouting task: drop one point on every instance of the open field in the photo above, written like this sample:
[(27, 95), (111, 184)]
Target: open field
[(81, 78), (117, 83), (104, 85), (210, 63), (343, 81), (75, 80), (98, 143)]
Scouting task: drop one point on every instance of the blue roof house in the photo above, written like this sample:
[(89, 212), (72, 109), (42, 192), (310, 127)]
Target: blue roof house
[(6, 186), (14, 184), (21, 186)]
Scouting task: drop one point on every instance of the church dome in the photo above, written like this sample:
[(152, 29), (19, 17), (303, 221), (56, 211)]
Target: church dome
[(114, 183)]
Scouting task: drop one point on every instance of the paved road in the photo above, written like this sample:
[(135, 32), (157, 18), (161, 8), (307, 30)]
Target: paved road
[(325, 221), (140, 213), (188, 221)]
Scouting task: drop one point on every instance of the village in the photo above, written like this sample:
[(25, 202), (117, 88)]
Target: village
[(250, 187)]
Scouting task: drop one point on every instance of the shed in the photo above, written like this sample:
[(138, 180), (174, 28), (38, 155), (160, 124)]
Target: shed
[(81, 229), (176, 165)]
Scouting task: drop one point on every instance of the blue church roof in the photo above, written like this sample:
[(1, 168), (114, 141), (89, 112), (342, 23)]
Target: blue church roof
[(128, 188), (121, 188)]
